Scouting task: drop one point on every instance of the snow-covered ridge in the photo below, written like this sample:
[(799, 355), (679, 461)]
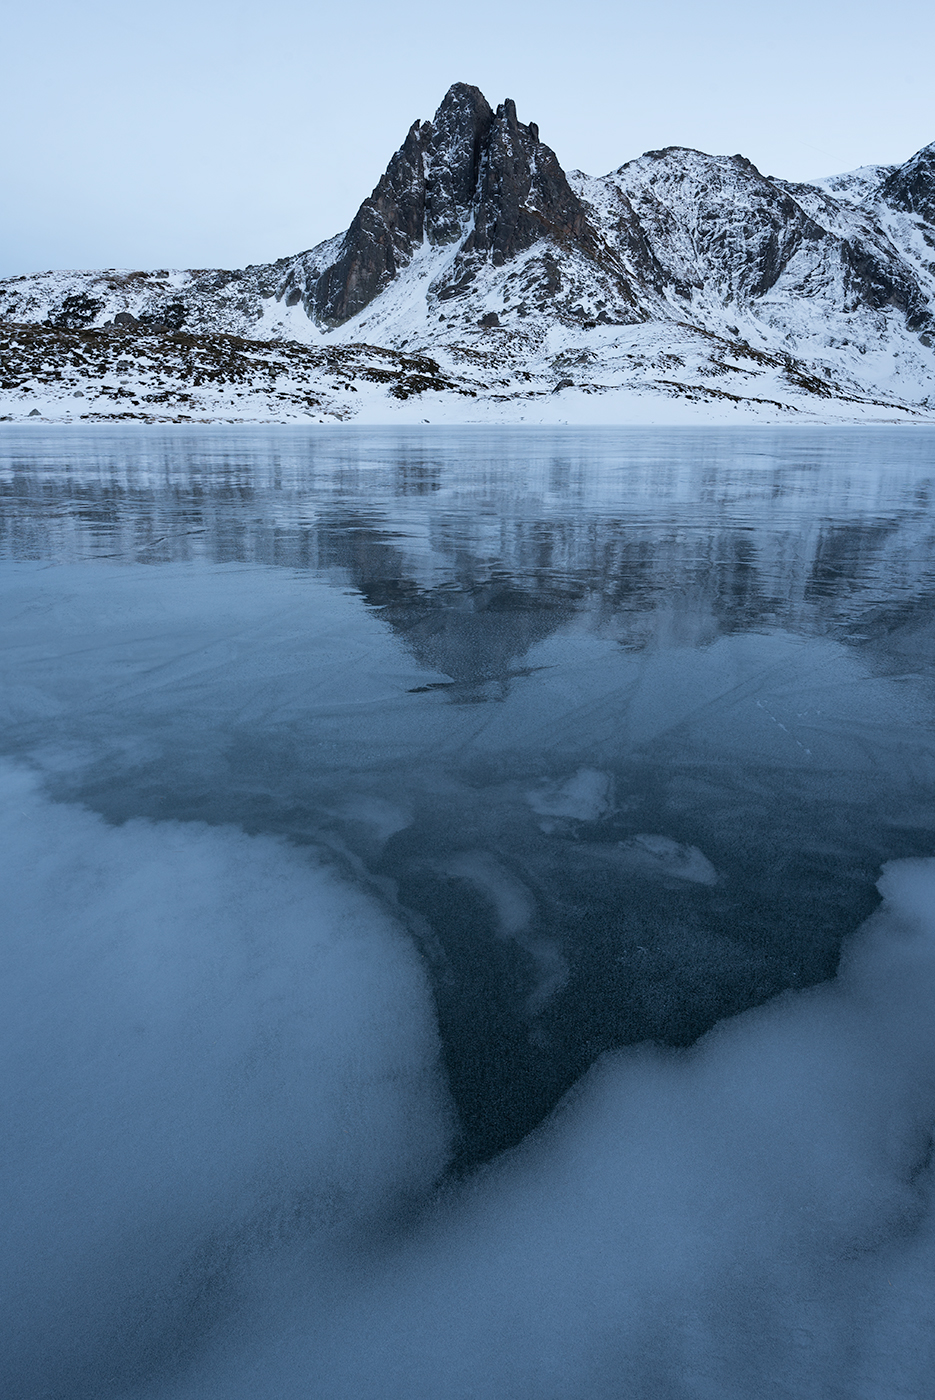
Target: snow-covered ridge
[(856, 186), (678, 279)]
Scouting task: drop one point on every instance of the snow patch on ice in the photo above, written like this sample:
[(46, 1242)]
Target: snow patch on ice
[(210, 1042), (587, 796), (515, 910), (661, 855)]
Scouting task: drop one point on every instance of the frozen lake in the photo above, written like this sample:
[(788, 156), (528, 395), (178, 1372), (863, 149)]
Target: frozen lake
[(362, 790)]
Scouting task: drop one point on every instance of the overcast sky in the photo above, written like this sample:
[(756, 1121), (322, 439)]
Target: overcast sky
[(195, 133)]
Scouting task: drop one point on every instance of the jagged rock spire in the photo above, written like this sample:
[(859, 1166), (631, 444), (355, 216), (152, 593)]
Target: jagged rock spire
[(523, 193), (467, 163), (454, 141)]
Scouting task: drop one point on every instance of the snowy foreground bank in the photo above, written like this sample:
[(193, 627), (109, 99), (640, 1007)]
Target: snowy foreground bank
[(636, 375)]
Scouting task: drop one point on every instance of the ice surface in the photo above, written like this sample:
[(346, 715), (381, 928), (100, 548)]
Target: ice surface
[(336, 769)]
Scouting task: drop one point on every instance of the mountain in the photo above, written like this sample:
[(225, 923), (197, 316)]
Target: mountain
[(679, 285)]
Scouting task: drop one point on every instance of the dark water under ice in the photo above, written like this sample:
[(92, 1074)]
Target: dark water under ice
[(618, 726)]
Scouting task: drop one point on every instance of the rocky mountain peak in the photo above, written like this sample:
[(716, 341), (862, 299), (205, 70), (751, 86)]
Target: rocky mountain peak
[(454, 142), (467, 166), (523, 193), (475, 245)]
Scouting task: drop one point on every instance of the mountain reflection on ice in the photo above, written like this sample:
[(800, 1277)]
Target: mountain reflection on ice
[(620, 727)]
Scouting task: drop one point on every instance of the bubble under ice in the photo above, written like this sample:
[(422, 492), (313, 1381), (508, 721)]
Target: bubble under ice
[(751, 1217), (210, 1042)]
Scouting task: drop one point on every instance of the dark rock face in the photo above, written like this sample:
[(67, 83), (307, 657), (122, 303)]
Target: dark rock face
[(76, 311), (426, 191), (466, 163), (522, 194), (911, 187), (381, 238), (876, 284), (456, 140)]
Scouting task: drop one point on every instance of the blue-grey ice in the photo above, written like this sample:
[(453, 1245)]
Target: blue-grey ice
[(467, 911)]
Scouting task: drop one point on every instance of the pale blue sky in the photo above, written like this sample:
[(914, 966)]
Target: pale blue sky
[(195, 133)]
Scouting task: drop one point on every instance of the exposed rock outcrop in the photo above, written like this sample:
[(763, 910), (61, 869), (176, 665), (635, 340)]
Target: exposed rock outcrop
[(911, 187)]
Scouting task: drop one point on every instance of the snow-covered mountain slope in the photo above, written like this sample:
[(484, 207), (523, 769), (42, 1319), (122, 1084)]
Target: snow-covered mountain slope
[(69, 375), (252, 301), (679, 284)]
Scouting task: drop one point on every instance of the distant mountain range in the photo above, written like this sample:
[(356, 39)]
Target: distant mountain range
[(480, 281)]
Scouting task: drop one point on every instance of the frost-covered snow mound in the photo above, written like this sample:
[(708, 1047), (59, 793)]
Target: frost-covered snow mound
[(211, 1042)]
